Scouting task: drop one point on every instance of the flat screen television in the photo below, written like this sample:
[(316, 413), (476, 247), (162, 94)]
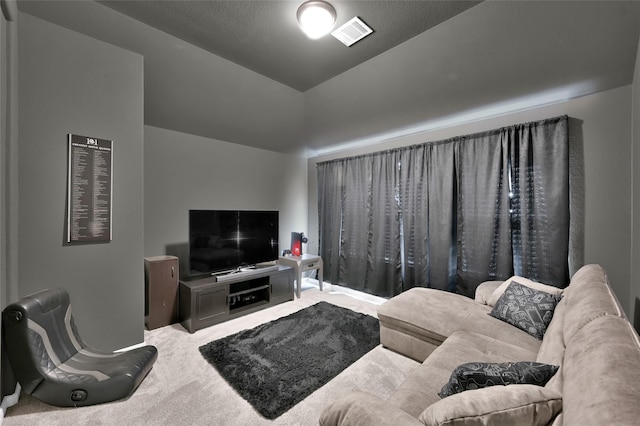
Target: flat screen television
[(226, 240)]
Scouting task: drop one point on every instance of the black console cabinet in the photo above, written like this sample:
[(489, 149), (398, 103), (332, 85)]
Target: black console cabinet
[(207, 301)]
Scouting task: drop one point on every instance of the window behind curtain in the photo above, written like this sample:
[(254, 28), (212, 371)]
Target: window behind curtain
[(449, 214)]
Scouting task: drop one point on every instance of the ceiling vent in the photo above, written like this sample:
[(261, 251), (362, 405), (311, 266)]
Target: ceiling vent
[(354, 30)]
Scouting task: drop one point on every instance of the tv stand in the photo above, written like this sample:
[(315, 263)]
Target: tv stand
[(208, 301)]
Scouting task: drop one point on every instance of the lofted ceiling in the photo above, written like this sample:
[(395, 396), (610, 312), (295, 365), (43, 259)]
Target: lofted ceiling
[(242, 72), (264, 36)]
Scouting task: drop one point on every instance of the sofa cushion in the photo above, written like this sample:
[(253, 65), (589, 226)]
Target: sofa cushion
[(497, 405), (421, 388), (476, 375), (601, 373), (552, 347), (430, 315), (419, 310), (363, 409), (528, 309), (588, 296), (495, 295)]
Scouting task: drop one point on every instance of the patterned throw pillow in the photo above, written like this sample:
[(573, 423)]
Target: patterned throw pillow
[(476, 375), (528, 309)]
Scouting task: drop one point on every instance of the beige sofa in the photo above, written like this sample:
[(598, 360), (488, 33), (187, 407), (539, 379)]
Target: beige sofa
[(589, 337)]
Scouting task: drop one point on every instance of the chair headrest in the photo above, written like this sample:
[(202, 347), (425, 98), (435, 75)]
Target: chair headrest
[(50, 299)]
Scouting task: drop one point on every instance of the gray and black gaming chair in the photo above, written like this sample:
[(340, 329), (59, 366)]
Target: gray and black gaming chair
[(54, 365)]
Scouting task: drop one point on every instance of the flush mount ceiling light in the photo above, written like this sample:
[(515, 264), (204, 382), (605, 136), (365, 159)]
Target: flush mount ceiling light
[(316, 18)]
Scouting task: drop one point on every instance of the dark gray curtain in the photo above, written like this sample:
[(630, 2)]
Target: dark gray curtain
[(449, 214), (429, 215), (540, 205), (485, 249), (361, 232)]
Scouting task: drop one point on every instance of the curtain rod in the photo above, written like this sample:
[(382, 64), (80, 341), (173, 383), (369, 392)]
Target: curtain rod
[(448, 140)]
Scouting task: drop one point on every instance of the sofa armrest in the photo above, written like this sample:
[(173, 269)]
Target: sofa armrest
[(363, 409), (485, 290)]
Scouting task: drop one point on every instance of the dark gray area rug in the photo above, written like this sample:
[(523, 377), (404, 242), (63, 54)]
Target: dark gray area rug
[(278, 364)]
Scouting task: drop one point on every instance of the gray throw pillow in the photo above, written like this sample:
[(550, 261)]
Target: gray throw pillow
[(528, 309), (476, 375)]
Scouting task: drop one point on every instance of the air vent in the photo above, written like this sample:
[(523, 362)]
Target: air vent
[(351, 32)]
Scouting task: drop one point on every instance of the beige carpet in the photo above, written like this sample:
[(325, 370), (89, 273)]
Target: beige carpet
[(183, 389)]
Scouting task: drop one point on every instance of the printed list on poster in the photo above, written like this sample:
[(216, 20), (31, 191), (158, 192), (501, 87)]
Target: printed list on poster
[(89, 194)]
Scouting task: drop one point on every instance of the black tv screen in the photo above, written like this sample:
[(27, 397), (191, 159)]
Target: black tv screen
[(225, 240)]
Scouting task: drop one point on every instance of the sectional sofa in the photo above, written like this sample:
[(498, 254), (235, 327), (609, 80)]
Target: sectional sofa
[(588, 338)]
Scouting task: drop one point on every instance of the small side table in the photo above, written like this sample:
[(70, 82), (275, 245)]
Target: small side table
[(306, 262)]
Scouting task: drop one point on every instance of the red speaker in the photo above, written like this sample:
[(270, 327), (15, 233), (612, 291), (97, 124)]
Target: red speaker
[(297, 239)]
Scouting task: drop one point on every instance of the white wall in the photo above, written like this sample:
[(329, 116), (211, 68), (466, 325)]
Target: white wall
[(183, 172), (635, 251), (8, 143), (600, 135), (451, 69), (188, 89), (71, 83), (8, 167)]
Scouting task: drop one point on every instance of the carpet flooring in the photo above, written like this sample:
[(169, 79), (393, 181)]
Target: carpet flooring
[(278, 364), (183, 389)]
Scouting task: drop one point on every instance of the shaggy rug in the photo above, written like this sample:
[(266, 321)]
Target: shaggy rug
[(278, 364)]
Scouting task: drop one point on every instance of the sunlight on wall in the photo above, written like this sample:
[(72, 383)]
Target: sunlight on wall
[(545, 98)]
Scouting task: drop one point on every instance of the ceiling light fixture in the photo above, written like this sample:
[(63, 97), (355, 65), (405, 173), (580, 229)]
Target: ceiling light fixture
[(316, 18)]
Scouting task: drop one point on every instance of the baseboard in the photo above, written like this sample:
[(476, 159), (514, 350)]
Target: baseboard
[(336, 289), (8, 401), (636, 316), (128, 348)]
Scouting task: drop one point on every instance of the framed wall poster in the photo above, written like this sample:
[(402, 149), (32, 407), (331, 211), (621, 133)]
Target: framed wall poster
[(89, 195)]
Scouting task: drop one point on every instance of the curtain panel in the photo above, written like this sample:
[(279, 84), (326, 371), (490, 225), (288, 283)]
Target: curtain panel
[(449, 214)]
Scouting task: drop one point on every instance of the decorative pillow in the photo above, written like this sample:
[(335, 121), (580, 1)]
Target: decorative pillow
[(493, 298), (476, 375), (528, 309), (496, 405)]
